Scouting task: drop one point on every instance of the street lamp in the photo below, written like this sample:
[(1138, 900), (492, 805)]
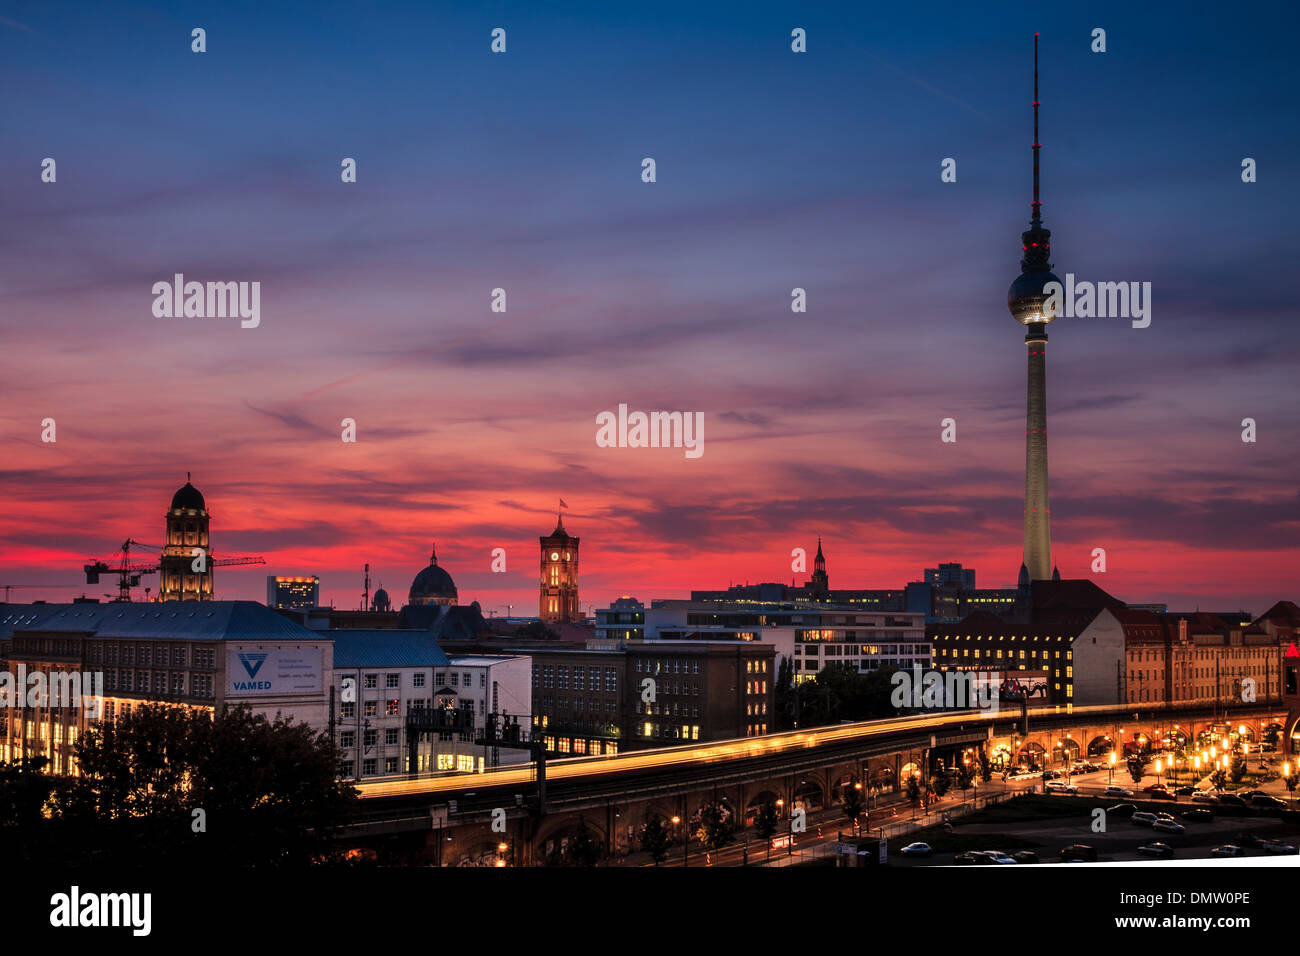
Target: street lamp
[(1112, 766), (685, 845)]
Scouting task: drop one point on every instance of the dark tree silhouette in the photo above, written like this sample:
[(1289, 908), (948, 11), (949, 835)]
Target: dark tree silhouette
[(655, 839)]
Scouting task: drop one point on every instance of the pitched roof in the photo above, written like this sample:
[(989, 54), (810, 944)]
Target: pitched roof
[(1141, 626), (1285, 613), (22, 616), (1073, 593), (988, 624), (385, 648), (172, 620)]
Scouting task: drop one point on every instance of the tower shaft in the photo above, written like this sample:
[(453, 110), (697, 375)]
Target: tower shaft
[(1038, 532)]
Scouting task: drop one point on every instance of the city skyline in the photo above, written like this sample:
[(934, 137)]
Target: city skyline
[(672, 295)]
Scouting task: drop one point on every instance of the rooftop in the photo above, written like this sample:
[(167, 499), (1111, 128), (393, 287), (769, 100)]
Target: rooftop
[(171, 620), (385, 648)]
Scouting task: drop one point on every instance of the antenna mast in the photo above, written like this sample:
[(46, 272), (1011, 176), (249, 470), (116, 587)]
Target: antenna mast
[(1037, 145)]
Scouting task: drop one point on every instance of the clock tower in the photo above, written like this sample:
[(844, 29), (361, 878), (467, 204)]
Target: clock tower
[(558, 601)]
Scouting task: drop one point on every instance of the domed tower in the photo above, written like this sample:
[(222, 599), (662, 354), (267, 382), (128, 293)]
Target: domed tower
[(381, 601), (433, 585), (1028, 301), (558, 600), (187, 529)]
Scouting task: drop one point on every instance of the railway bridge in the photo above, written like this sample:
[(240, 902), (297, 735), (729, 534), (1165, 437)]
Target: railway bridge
[(506, 816)]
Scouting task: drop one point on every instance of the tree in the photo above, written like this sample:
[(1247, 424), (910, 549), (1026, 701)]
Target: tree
[(26, 833), (965, 776), (787, 714), (986, 766), (655, 840), (1292, 782), (232, 788), (913, 789), (766, 821), (1137, 767), (1218, 778), (852, 804), (582, 848), (1238, 770), (939, 784), (714, 827)]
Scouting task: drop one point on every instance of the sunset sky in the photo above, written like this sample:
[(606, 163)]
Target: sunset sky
[(523, 171)]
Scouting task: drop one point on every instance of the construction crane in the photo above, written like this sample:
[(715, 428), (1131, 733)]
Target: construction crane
[(129, 572)]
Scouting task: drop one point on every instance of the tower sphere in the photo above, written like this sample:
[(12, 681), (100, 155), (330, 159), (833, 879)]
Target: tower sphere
[(1027, 300)]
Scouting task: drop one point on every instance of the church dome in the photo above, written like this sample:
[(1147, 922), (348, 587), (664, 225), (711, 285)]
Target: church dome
[(187, 496), (381, 601), (433, 585)]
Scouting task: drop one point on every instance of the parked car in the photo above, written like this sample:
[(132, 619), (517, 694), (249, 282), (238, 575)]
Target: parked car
[(1262, 801), (1276, 846), (1113, 791), (1168, 826), (965, 859), (916, 849), (1025, 856), (1161, 795), (1198, 815), (1154, 787), (1184, 791), (1144, 818), (1231, 800), (999, 858), (1056, 786), (1079, 851), (1204, 796), (1163, 850), (1122, 810), (1228, 849), (1051, 775)]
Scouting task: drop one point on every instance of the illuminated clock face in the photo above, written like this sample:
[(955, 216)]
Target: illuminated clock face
[(555, 555), (566, 556)]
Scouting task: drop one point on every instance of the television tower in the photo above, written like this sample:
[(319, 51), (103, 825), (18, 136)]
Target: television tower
[(1028, 304)]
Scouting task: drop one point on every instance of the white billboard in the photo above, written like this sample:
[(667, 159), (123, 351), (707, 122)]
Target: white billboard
[(263, 673)]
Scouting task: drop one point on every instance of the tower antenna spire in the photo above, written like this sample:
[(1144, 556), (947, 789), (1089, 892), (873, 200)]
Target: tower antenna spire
[(1037, 219)]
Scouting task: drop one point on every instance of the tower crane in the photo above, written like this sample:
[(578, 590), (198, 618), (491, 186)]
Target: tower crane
[(129, 572)]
